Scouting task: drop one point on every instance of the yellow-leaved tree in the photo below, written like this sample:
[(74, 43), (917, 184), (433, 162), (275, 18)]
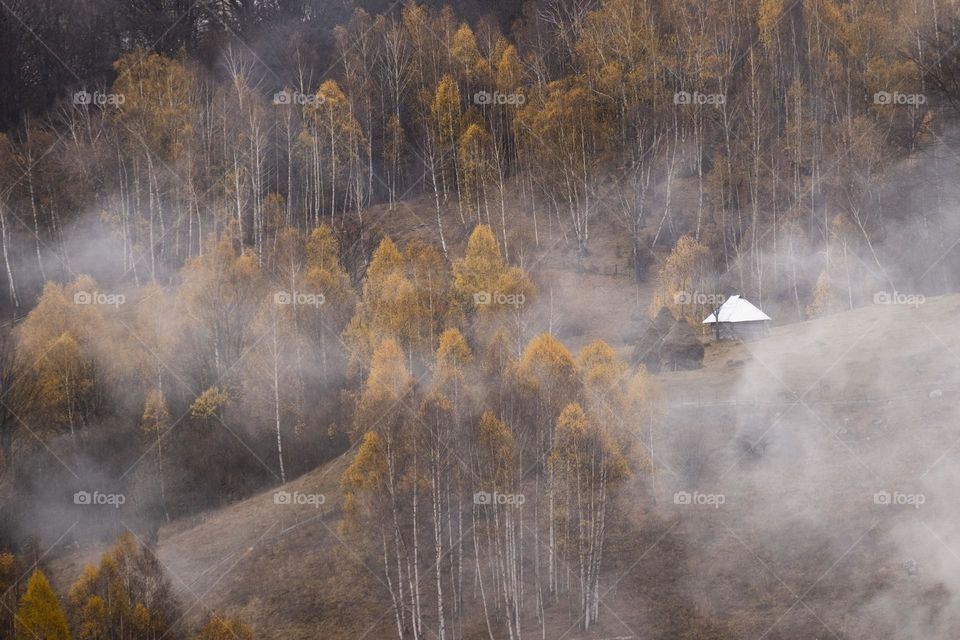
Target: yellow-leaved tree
[(407, 297), (324, 322), (333, 136), (481, 267), (585, 466), (496, 294), (221, 294), (625, 402), (39, 614), (156, 119), (58, 340), (497, 524), (472, 67), (384, 290), (380, 485), (548, 381), (155, 423), (127, 596), (218, 627), (436, 304), (682, 282)]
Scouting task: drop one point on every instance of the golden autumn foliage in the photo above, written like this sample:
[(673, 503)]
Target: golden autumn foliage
[(496, 293), (548, 368), (326, 277), (824, 297), (331, 132), (407, 297), (209, 403), (220, 295), (220, 628), (474, 157), (381, 402), (496, 453), (215, 202), (156, 416), (585, 466), (482, 265), (584, 459), (453, 357), (323, 249), (388, 376), (473, 67), (682, 278), (436, 303), (446, 110), (11, 572), (364, 483), (604, 378), (623, 400), (62, 339), (376, 314), (498, 356), (548, 381), (509, 70), (126, 595), (154, 88), (39, 614)]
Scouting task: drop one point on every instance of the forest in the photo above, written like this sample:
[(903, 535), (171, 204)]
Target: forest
[(246, 239)]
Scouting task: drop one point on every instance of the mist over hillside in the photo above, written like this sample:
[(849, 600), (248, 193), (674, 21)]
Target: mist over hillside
[(370, 319)]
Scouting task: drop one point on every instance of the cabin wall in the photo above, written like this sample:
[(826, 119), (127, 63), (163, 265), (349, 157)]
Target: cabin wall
[(743, 330)]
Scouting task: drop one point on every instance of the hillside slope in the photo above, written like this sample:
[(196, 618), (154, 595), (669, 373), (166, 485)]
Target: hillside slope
[(798, 432), (834, 444)]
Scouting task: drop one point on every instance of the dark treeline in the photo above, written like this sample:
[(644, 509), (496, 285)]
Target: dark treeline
[(762, 129), (51, 45)]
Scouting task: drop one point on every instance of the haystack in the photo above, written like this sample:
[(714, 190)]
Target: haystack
[(667, 344)]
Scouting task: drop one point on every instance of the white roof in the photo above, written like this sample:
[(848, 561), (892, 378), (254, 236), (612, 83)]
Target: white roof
[(737, 309)]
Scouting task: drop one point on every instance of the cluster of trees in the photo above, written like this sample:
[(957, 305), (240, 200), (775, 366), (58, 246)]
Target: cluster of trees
[(429, 371), (45, 46), (486, 482), (169, 153), (236, 358), (126, 596), (584, 112), (255, 331)]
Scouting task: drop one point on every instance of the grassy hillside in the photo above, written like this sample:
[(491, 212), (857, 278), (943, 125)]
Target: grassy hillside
[(797, 432)]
